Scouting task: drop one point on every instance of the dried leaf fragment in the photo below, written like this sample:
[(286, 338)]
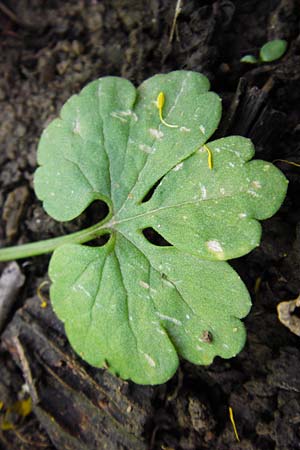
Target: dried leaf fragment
[(287, 317)]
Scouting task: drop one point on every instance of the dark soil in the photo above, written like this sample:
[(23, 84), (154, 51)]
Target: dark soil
[(50, 50)]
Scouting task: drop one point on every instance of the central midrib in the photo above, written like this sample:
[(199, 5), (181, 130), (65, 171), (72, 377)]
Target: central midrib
[(113, 222)]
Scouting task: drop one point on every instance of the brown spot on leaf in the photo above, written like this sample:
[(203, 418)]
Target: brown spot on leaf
[(207, 337)]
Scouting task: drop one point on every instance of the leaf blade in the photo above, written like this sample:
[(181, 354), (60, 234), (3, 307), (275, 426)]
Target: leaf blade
[(131, 347), (130, 304)]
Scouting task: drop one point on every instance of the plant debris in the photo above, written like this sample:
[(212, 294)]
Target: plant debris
[(287, 316)]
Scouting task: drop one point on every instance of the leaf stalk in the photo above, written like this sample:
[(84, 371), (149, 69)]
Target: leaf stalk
[(49, 245)]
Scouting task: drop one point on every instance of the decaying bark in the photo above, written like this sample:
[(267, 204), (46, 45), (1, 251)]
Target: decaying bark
[(78, 406), (251, 116)]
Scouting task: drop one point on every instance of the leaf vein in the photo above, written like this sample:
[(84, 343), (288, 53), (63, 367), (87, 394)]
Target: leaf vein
[(139, 173), (180, 295), (82, 173), (128, 311), (101, 129)]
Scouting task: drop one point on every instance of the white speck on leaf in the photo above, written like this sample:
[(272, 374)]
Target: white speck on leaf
[(256, 184), (144, 285), (122, 115), (129, 112), (146, 148), (202, 129), (252, 193), (79, 287), (169, 319), (184, 129), (76, 128), (178, 167), (203, 192), (242, 215), (167, 283), (151, 361), (215, 247), (117, 115), (156, 133)]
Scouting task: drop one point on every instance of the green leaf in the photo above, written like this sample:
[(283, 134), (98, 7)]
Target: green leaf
[(273, 50), (131, 305), (250, 59)]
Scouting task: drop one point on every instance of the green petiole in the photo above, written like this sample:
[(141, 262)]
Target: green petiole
[(49, 245)]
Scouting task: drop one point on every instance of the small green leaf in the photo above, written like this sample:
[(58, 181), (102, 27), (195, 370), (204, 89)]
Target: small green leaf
[(132, 305), (250, 59), (273, 50)]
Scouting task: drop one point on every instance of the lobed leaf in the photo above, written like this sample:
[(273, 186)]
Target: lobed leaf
[(131, 305)]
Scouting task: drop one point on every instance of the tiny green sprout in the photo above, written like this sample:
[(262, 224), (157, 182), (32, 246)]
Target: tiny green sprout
[(269, 52), (250, 59), (273, 50), (130, 305)]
